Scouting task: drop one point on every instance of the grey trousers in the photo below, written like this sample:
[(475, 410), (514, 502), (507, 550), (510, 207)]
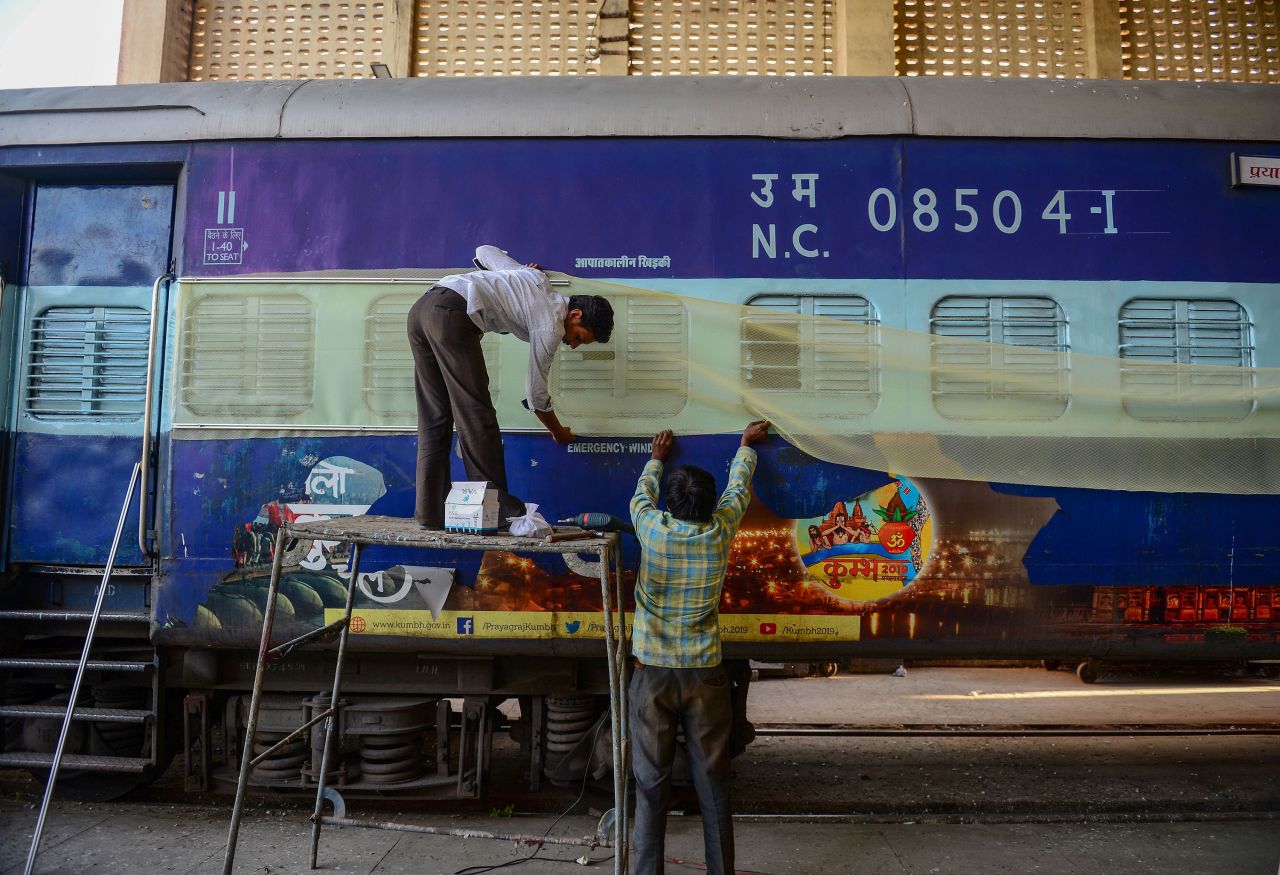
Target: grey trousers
[(698, 699), (452, 387)]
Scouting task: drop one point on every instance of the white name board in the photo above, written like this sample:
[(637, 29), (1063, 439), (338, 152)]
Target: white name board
[(1255, 170)]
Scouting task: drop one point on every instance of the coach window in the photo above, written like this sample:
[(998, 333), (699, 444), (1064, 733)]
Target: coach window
[(994, 358), (388, 360), (642, 371), (88, 362), (1158, 332), (824, 347), (249, 356)]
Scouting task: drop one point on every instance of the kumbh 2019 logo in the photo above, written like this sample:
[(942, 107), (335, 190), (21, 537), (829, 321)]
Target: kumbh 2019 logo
[(868, 548)]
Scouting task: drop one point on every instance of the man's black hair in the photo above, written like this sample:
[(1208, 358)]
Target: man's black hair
[(691, 494), (597, 315)]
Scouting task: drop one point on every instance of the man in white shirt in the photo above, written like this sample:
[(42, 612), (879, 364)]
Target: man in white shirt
[(452, 384)]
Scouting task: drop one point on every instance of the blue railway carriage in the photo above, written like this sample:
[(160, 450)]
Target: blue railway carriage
[(211, 280)]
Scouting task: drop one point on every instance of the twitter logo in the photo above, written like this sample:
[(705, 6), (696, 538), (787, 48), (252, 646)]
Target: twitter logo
[(572, 627)]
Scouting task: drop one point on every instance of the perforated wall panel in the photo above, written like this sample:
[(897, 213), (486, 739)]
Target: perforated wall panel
[(733, 37), (1005, 38), (288, 39), (1201, 40), (505, 38)]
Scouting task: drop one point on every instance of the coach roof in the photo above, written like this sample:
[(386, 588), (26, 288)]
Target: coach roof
[(789, 108)]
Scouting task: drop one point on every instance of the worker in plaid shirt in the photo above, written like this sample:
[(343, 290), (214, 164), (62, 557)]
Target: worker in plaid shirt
[(679, 679)]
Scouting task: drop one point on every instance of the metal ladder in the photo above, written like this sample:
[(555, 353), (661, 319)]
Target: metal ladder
[(55, 760), (79, 762)]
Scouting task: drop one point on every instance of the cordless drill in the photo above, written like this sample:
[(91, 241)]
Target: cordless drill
[(599, 522)]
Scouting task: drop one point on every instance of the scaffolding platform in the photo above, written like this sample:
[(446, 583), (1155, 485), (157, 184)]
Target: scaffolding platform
[(360, 531), (405, 532)]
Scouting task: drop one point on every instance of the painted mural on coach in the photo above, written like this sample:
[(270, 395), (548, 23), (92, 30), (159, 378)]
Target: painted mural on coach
[(1060, 246)]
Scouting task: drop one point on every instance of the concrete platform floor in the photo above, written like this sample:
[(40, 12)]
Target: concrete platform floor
[(189, 838)]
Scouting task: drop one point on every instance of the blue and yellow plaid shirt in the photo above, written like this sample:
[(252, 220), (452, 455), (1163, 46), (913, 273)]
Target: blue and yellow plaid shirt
[(677, 620)]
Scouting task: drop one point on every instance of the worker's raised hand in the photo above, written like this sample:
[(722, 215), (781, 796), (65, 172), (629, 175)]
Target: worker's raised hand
[(755, 432), (563, 435), (662, 442)]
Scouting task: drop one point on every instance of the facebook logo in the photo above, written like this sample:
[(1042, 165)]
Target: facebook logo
[(466, 626)]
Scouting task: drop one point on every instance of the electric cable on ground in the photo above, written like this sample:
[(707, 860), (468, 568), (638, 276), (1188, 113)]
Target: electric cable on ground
[(586, 773)]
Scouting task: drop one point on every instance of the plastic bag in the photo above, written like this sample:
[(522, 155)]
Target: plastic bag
[(531, 525)]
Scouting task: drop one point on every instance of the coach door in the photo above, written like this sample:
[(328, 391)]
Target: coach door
[(94, 253)]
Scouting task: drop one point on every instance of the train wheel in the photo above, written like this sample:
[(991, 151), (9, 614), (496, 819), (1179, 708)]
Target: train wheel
[(828, 669), (1088, 671), (1051, 664)]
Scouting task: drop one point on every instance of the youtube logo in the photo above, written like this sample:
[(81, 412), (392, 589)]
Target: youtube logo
[(768, 628)]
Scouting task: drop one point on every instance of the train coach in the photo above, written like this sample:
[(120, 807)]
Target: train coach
[(212, 280)]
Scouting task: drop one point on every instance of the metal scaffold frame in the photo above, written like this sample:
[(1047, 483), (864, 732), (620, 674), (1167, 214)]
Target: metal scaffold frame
[(395, 531)]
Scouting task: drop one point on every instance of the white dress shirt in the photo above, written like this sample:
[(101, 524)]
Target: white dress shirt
[(510, 298)]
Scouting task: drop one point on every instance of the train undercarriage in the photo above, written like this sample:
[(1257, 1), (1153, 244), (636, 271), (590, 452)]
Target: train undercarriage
[(414, 725)]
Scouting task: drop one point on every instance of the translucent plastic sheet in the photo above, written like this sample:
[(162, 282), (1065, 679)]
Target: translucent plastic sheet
[(843, 388), (923, 405)]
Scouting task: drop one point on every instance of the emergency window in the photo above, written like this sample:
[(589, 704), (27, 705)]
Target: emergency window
[(388, 360), (985, 373), (88, 362), (250, 356), (642, 371), (819, 346), (1156, 333)]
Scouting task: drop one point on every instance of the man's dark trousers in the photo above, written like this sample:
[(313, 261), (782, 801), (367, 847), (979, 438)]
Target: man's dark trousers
[(661, 699), (452, 386)]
